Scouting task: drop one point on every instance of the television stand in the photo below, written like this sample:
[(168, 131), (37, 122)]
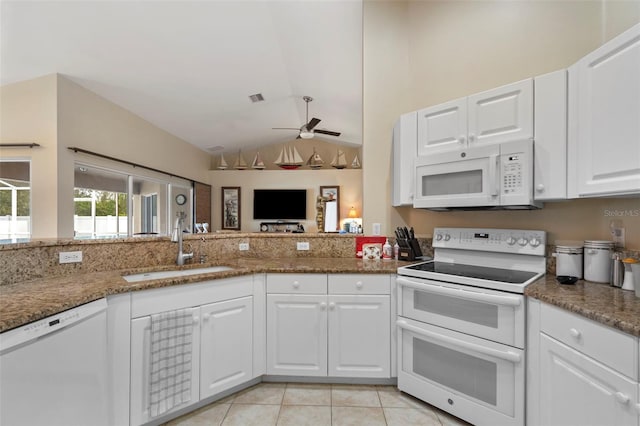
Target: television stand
[(281, 226)]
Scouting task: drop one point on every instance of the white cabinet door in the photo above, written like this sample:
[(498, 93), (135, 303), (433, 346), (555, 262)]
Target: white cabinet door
[(141, 369), (297, 334), (226, 345), (405, 150), (604, 119), (502, 114), (576, 390), (550, 128), (359, 336), (442, 127)]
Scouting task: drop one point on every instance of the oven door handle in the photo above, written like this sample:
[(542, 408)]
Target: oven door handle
[(462, 293), (495, 353)]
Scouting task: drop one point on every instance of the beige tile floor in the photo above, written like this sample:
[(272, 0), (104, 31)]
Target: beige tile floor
[(286, 404)]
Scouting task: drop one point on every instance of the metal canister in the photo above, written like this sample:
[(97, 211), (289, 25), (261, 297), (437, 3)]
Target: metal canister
[(569, 260), (597, 260), (617, 270)]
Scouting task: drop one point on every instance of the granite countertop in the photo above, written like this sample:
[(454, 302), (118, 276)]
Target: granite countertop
[(607, 305), (24, 302)]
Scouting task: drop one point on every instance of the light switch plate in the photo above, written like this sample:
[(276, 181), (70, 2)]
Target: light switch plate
[(302, 245), (70, 256)]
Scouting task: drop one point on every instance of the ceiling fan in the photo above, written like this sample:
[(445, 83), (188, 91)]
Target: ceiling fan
[(308, 130)]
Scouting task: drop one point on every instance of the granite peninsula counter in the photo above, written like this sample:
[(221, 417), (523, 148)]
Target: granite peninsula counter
[(24, 302)]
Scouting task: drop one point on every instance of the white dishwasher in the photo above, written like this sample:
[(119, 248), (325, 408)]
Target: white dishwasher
[(54, 371)]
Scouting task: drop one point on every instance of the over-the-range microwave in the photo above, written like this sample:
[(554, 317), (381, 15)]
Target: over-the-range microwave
[(497, 176)]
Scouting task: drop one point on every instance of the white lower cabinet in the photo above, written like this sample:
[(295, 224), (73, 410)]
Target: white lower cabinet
[(359, 334), (337, 335), (220, 354), (226, 337), (141, 369), (579, 372), (297, 334), (577, 390)]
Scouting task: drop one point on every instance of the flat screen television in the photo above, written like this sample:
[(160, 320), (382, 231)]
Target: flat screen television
[(280, 204)]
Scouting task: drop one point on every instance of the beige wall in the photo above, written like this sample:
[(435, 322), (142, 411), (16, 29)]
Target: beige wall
[(349, 181), (58, 113), (28, 112), (456, 48), (386, 91)]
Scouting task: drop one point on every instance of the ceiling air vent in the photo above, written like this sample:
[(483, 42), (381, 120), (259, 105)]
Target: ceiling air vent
[(256, 98)]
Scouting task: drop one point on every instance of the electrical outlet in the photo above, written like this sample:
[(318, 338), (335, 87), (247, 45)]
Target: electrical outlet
[(243, 246), (70, 257), (303, 245)]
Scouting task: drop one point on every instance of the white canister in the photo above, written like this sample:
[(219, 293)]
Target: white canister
[(597, 260), (569, 260)]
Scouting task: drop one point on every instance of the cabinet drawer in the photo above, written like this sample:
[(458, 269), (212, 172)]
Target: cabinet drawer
[(156, 300), (297, 283), (359, 284), (605, 344)]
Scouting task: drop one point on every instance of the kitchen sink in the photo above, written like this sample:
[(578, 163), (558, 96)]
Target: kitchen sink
[(174, 273)]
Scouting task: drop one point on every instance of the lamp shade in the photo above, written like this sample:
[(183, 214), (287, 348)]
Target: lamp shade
[(352, 213)]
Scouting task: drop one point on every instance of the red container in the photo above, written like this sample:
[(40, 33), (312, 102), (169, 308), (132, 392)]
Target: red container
[(362, 242)]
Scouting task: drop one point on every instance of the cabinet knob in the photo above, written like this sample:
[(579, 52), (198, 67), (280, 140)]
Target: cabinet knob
[(323, 306), (461, 139), (206, 317), (575, 333), (296, 284), (332, 306), (359, 284), (621, 398), (540, 187), (196, 319)]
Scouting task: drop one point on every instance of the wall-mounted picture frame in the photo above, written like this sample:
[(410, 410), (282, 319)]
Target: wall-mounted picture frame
[(331, 218), (231, 207)]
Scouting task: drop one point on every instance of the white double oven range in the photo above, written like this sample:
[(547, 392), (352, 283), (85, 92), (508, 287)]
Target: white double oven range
[(462, 322)]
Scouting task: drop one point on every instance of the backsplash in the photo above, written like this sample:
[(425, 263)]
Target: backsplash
[(39, 259)]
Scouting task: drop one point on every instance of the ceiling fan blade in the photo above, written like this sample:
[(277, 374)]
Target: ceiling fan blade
[(285, 128), (327, 132), (299, 137), (313, 123)]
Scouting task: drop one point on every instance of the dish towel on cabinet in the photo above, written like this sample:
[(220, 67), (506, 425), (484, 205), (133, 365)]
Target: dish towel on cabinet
[(170, 360)]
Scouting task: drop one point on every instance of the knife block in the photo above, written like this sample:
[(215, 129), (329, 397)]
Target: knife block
[(406, 252)]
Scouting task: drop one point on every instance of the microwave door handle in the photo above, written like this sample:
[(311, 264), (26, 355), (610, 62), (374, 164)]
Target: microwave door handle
[(512, 357), (461, 294), (493, 178)]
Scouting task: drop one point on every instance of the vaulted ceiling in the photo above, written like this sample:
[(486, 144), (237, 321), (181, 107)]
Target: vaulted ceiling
[(189, 66)]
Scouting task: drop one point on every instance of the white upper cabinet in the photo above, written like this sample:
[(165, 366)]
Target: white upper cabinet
[(405, 147), (498, 115), (550, 127), (604, 119), (442, 127), (501, 115)]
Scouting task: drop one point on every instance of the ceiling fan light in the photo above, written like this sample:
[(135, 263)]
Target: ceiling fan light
[(305, 134)]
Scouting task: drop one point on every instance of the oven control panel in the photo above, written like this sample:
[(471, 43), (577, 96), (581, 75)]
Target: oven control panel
[(489, 239)]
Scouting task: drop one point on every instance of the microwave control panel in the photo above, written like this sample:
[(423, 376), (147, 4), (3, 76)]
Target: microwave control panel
[(512, 173)]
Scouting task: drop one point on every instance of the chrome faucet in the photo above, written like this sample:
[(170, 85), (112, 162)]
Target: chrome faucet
[(177, 237)]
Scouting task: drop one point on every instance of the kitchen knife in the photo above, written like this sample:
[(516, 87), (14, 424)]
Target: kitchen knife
[(406, 232), (412, 234)]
